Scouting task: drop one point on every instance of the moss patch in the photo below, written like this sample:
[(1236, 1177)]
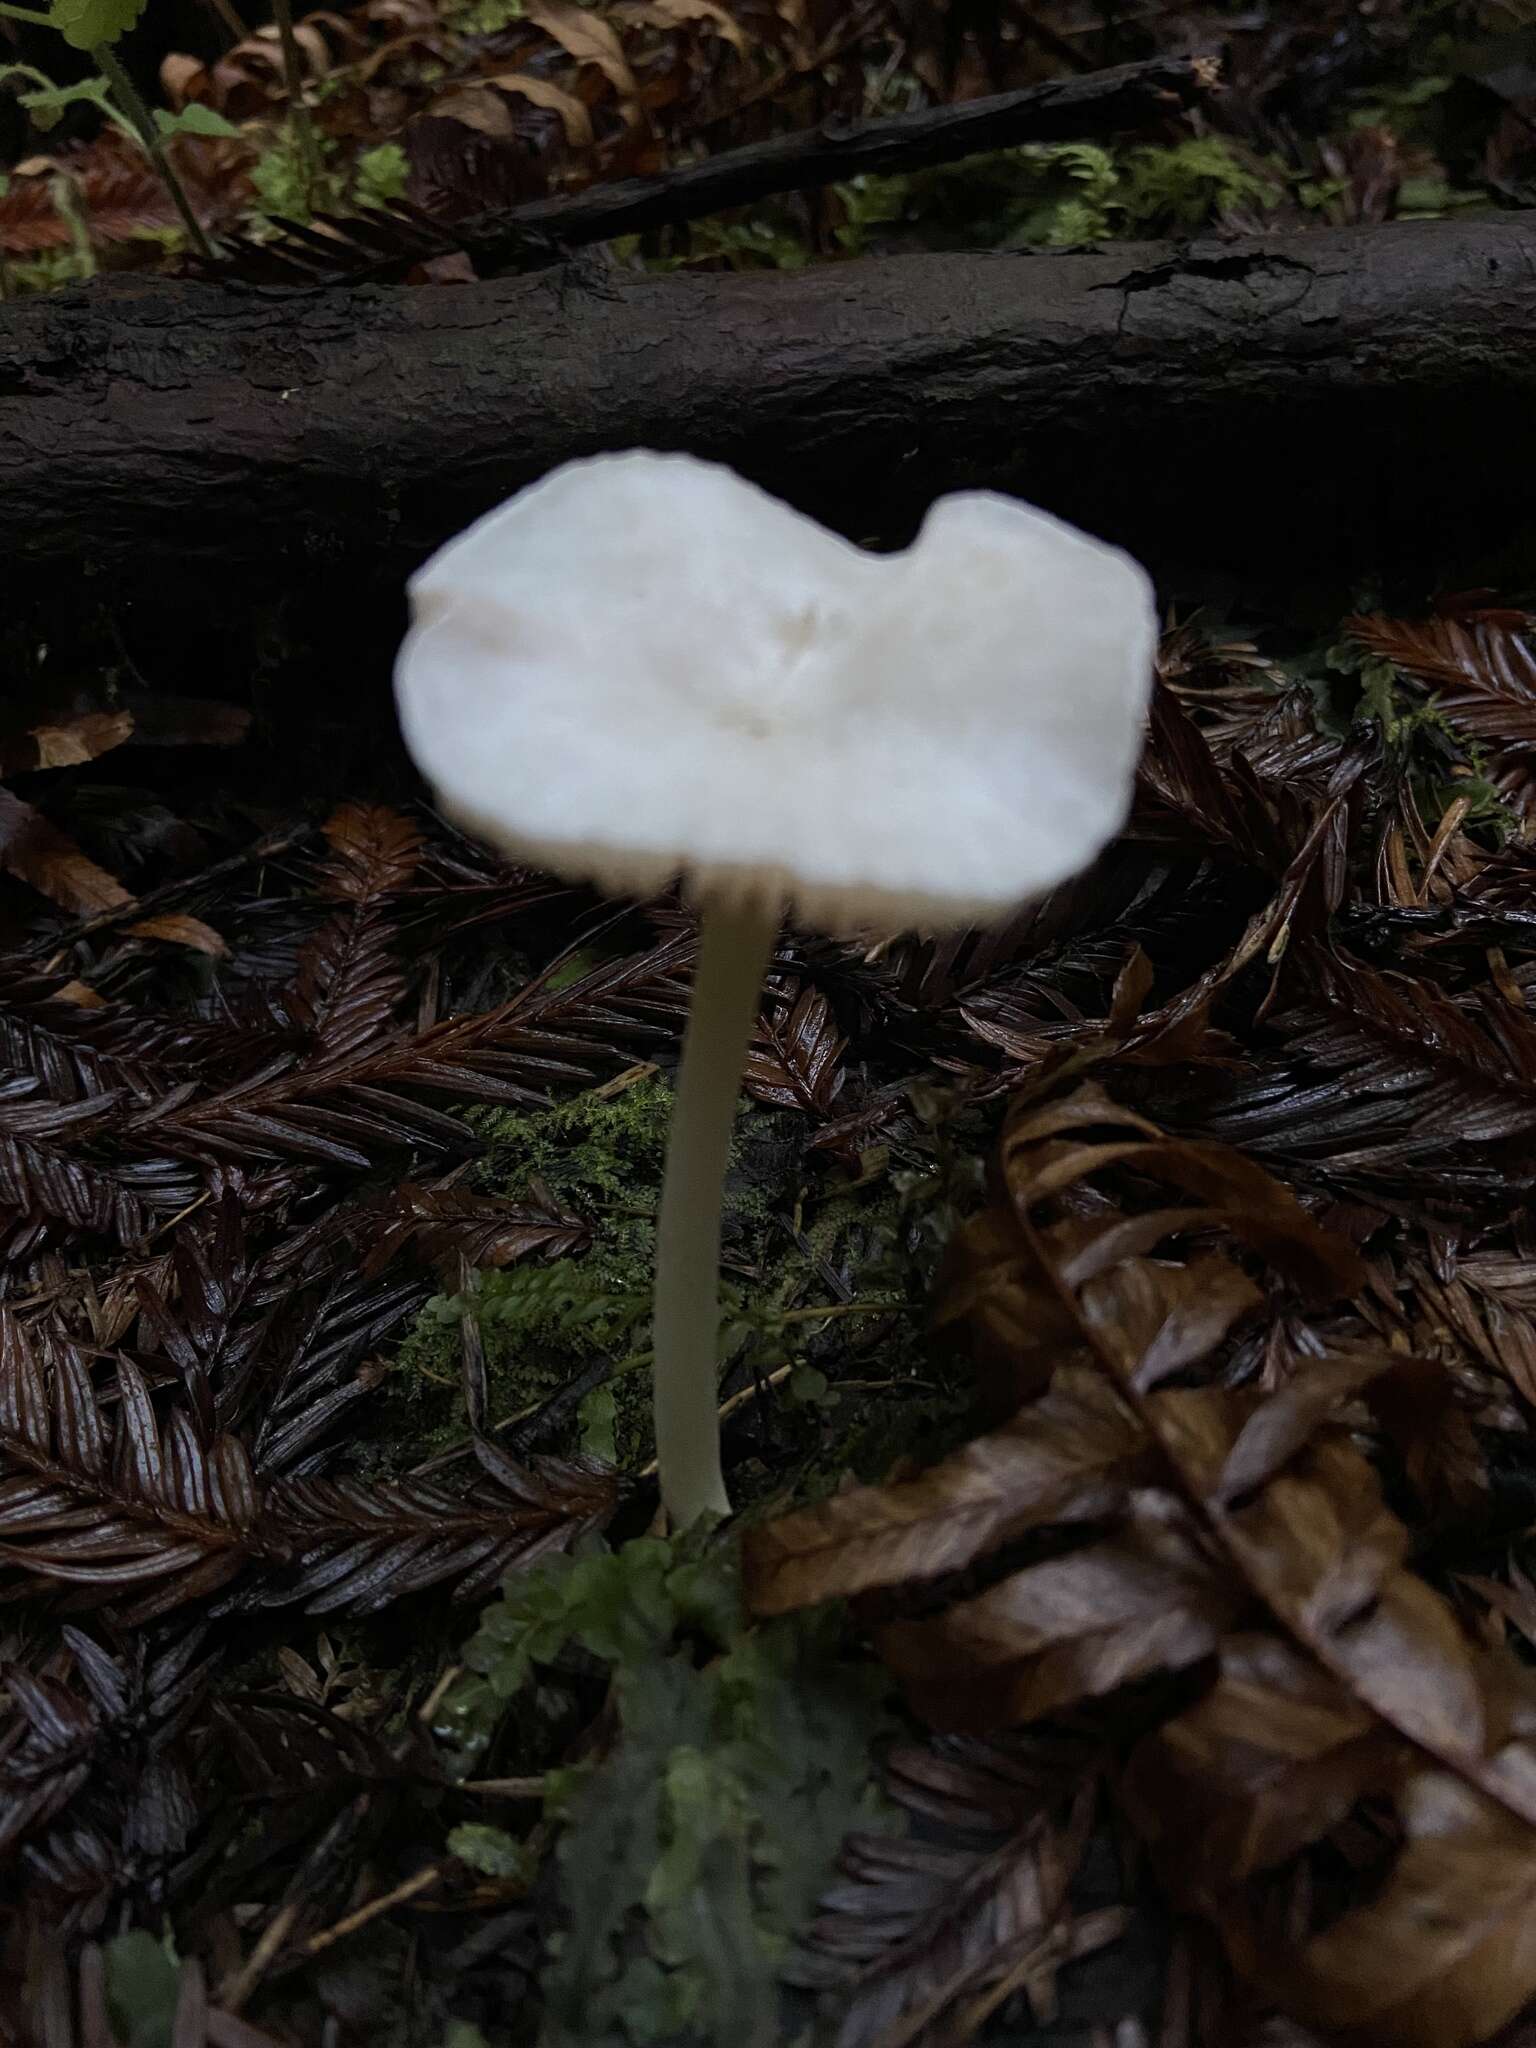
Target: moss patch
[(822, 1291)]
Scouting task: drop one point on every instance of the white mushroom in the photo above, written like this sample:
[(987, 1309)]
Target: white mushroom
[(643, 667)]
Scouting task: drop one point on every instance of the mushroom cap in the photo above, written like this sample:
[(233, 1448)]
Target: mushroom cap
[(644, 667)]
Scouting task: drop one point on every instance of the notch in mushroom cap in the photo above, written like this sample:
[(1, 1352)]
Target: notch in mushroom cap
[(643, 667)]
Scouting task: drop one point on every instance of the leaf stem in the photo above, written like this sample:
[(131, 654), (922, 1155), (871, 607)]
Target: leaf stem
[(65, 194), (298, 113), (32, 15), (128, 94)]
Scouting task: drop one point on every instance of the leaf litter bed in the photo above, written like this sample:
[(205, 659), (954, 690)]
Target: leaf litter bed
[(1130, 1356), (1128, 1377)]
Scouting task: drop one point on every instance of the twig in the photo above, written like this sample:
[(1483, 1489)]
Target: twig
[(544, 231), (1128, 96), (422, 1881), (181, 1216), (506, 1788), (728, 1408), (434, 1699), (1445, 832), (553, 1413), (747, 1395), (237, 1989), (832, 1310)]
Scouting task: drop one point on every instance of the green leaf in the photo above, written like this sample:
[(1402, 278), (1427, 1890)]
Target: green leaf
[(599, 1418), (87, 24), (810, 1387), (194, 119), (143, 1985), (492, 1851), (46, 103), (705, 1593)]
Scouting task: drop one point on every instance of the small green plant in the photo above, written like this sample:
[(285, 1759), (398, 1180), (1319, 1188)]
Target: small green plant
[(297, 177), (493, 1852), (1442, 763), (1181, 188), (484, 17), (380, 175), (543, 1326), (693, 1852), (301, 129), (464, 2034), (143, 1986), (290, 178), (45, 104), (95, 26), (1057, 195)]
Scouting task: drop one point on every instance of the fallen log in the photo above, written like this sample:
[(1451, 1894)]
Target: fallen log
[(1323, 402)]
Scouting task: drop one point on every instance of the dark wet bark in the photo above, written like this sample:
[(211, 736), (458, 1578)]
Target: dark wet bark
[(1323, 403)]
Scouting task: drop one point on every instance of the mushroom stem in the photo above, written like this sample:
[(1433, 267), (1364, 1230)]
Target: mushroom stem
[(736, 942)]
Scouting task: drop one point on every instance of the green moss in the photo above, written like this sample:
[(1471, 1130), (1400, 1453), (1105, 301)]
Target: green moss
[(484, 17), (544, 1326), (608, 1148), (289, 186), (380, 175), (293, 183)]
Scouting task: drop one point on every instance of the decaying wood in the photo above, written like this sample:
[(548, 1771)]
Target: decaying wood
[(1110, 102), (1319, 401)]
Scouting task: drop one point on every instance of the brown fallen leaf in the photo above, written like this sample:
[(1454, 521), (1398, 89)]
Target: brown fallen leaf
[(1484, 678), (584, 35), (477, 106), (1073, 1629), (453, 1223), (1329, 1702), (674, 13), (1441, 1957), (453, 269), (119, 191), (923, 1935), (1069, 1457), (39, 854), (80, 995), (177, 929), (795, 1059), (374, 850), (84, 738)]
